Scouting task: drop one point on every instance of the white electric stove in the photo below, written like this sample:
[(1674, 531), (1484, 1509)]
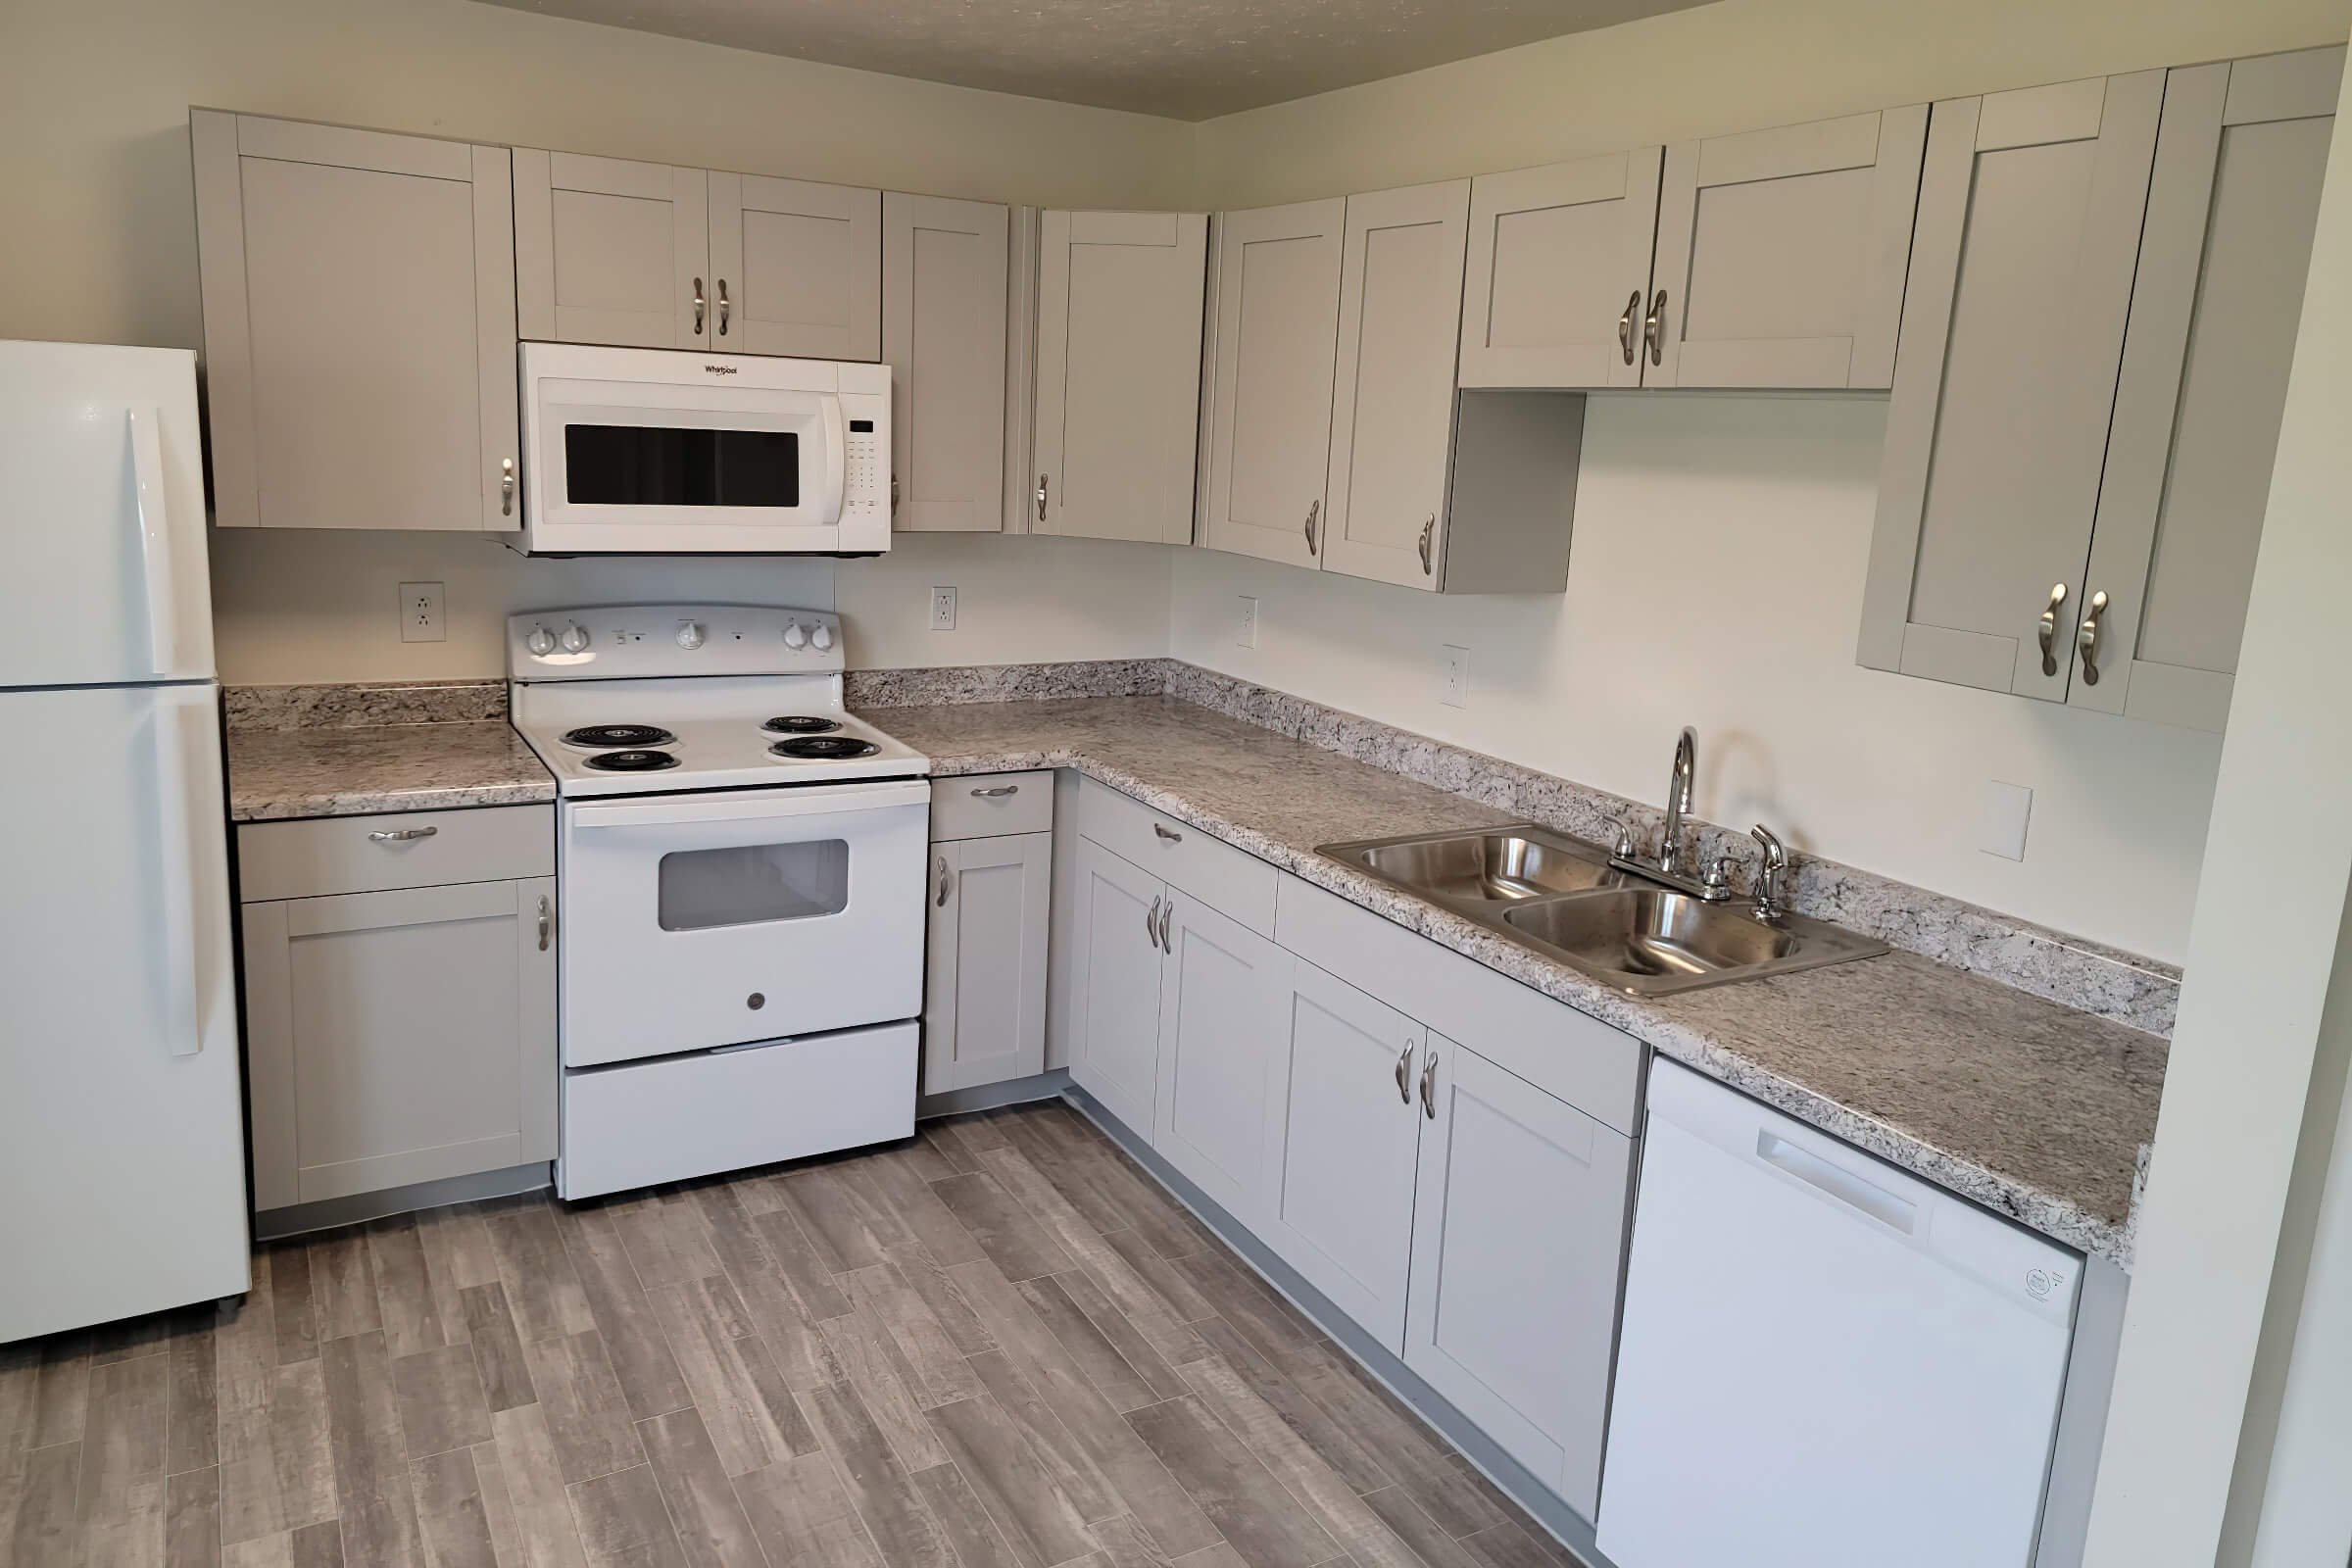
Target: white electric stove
[(740, 890)]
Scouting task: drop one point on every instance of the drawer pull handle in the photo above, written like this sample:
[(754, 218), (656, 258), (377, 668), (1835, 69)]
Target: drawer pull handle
[(1167, 832), (999, 793), (401, 835)]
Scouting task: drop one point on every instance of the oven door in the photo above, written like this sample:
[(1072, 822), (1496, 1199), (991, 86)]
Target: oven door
[(650, 467), (691, 921)]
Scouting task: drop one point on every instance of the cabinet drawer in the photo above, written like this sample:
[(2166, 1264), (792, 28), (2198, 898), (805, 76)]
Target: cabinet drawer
[(987, 806), (342, 855), (1235, 884), (1593, 1067)]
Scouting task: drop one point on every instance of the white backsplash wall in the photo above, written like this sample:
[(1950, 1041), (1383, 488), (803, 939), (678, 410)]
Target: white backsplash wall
[(1715, 579)]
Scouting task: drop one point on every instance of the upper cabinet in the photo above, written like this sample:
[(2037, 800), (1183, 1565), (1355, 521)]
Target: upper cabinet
[(2101, 317), (1778, 262), (358, 326), (2241, 154), (1782, 254), (1118, 373), (647, 255), (1276, 335), (943, 334), (2029, 230), (612, 252), (1560, 272)]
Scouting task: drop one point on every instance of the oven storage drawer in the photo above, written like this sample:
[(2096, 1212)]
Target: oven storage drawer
[(327, 855), (988, 805), (678, 1117)]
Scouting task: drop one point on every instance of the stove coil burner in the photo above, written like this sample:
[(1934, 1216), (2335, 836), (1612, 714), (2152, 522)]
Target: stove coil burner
[(824, 747), (633, 760), (801, 724), (604, 737)]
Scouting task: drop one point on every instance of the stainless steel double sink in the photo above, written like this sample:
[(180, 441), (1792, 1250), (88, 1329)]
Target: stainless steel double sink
[(1560, 897)]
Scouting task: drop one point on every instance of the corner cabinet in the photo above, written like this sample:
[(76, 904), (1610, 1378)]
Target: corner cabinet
[(1558, 272), (1118, 374), (400, 998), (984, 985), (943, 320), (358, 326)]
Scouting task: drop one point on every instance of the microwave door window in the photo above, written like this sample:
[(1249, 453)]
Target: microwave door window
[(753, 884), (667, 466)]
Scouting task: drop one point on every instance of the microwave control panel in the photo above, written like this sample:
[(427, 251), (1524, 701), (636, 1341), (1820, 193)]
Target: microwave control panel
[(866, 457)]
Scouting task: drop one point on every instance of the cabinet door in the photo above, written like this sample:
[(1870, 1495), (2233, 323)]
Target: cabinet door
[(1223, 1011), (1782, 254), (984, 991), (1118, 373), (358, 326), (1346, 1139), (399, 1037), (943, 336), (607, 251), (799, 267), (1392, 413), (2013, 326), (1518, 1245), (2239, 161), (1114, 1051), (1277, 332), (1560, 272)]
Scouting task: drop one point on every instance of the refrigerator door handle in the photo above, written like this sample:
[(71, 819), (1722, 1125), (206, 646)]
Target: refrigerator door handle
[(175, 798), (155, 539)]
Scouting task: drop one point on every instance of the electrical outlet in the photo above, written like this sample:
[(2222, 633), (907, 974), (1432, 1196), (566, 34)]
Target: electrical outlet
[(1454, 676), (1245, 633), (421, 612), (2007, 809), (942, 610)]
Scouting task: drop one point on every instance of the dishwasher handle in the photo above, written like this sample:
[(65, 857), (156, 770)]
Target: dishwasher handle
[(1838, 1183)]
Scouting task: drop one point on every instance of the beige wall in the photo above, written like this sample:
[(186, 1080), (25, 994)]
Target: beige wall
[(99, 245)]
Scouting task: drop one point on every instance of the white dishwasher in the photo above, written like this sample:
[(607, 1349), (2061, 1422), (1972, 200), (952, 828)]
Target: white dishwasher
[(1825, 1362)]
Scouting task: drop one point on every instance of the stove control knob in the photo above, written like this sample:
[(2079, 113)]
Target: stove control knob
[(794, 637), (576, 638), (821, 638), (541, 642), (690, 634)]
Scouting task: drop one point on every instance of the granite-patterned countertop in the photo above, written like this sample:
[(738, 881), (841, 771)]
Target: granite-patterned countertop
[(2028, 1107), (318, 771)]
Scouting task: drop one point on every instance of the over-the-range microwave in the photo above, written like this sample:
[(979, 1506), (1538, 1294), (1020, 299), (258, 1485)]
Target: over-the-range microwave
[(667, 452)]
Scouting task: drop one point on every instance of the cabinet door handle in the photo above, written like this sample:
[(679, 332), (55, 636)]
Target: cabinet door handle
[(1625, 325), (506, 487), (1653, 330), (1151, 923), (547, 922), (2088, 639), (1429, 531), (2049, 631), (999, 793), (1041, 497), (1167, 832), (723, 306), (1314, 508), (1167, 912), (941, 900), (697, 307), (401, 835), (1429, 1087), (1405, 1074)]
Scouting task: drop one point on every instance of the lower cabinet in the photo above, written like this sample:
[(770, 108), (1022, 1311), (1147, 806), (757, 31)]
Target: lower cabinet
[(1116, 1048), (399, 1037), (1346, 1118), (984, 988), (1518, 1239), (1222, 995)]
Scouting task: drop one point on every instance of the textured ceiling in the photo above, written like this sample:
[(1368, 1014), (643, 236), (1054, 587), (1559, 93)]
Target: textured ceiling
[(1187, 59)]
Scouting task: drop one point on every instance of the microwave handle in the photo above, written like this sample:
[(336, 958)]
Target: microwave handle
[(837, 453), (754, 808)]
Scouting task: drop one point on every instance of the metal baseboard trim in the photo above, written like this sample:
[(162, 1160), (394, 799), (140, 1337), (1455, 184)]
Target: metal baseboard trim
[(332, 1213), (1048, 1085), (1514, 1479)]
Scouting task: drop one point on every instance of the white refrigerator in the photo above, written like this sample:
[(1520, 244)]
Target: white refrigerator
[(121, 1133)]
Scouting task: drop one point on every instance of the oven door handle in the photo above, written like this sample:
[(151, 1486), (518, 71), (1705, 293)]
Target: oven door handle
[(759, 808)]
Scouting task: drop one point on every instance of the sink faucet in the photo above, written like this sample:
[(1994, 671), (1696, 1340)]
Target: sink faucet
[(1677, 799)]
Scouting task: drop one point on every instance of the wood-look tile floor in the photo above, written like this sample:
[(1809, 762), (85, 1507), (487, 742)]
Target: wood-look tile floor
[(998, 1345)]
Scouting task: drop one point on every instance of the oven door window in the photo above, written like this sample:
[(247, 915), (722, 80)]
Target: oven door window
[(753, 884), (681, 466)]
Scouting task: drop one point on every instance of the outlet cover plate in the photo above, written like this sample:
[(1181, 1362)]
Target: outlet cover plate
[(2007, 809), (942, 610), (1246, 630), (1454, 676), (420, 606)]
